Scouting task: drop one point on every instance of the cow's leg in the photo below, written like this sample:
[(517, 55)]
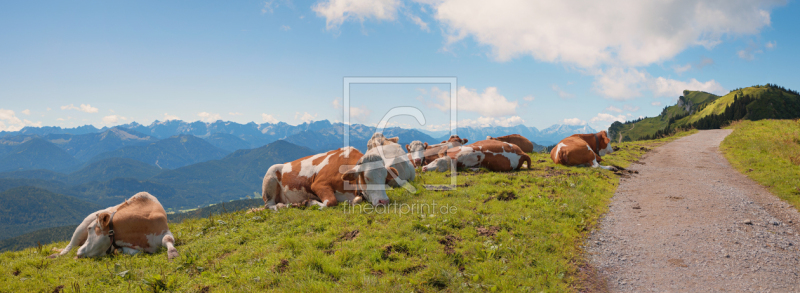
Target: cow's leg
[(169, 242), (276, 206), (325, 194), (130, 251), (78, 237), (595, 164)]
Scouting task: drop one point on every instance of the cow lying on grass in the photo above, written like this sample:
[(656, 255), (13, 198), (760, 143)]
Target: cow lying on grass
[(523, 143), (394, 156), (490, 154), (416, 152), (433, 152), (583, 150), (320, 180), (138, 224)]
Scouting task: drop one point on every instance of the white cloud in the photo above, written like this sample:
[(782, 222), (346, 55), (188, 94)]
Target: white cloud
[(235, 114), (10, 122), (489, 103), (489, 121), (418, 21), (674, 88), (83, 108), (529, 98), (285, 28), (656, 103), (630, 108), (620, 84), (620, 32), (305, 117), (26, 111), (561, 94), (771, 45), (113, 119), (681, 69), (269, 118), (613, 109), (209, 117), (337, 103), (48, 109), (168, 117), (607, 118), (269, 6), (573, 121), (359, 114), (337, 12)]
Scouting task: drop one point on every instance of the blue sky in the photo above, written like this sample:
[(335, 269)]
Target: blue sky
[(532, 62)]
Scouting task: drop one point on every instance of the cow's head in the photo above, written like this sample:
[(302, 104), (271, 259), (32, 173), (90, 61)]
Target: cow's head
[(378, 139), (605, 143), (97, 242), (441, 164), (372, 175), (455, 138), (417, 151)]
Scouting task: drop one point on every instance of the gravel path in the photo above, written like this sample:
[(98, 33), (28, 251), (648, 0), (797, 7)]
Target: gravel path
[(689, 222)]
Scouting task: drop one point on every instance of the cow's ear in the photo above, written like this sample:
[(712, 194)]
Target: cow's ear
[(391, 172), (464, 141), (426, 145), (350, 175), (444, 141), (394, 139), (408, 148), (103, 219)]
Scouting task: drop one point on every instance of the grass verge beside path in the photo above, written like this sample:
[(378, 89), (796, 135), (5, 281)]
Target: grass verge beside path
[(498, 231), (767, 151)]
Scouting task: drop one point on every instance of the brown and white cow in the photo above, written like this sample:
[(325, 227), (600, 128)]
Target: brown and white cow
[(490, 154), (433, 152), (320, 180), (583, 150), (523, 143), (416, 152), (378, 139), (138, 224)]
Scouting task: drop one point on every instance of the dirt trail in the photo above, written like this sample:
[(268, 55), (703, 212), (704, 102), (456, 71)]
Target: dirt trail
[(689, 222)]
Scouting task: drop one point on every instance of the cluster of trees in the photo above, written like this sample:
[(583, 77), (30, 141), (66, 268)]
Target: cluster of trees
[(735, 111)]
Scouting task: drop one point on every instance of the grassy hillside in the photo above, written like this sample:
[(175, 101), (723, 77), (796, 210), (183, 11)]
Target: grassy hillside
[(638, 129), (25, 209), (769, 102), (517, 231), (768, 151)]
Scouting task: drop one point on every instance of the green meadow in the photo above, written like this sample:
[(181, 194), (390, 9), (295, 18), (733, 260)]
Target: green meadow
[(767, 151), (516, 231)]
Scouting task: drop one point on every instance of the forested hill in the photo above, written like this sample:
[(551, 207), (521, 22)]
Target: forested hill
[(706, 111), (24, 209)]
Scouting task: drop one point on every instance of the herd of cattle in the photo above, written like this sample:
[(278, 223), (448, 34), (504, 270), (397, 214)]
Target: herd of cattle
[(326, 179)]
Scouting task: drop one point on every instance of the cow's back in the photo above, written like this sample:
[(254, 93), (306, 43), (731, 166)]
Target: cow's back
[(298, 177), (139, 216), (523, 143), (572, 151)]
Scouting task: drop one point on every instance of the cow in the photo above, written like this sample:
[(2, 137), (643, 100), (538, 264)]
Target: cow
[(394, 156), (378, 139), (490, 154), (583, 150), (416, 152), (320, 180), (138, 224), (433, 152), (523, 143)]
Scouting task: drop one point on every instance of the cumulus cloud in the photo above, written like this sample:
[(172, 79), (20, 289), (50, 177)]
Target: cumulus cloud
[(529, 98), (337, 103), (674, 88), (305, 117), (573, 121), (489, 103), (168, 117), (607, 118), (490, 121), (83, 108), (359, 114), (656, 103), (26, 111), (269, 118), (10, 122), (681, 68), (771, 45), (113, 119), (561, 93), (620, 84), (418, 21), (613, 109), (209, 117), (617, 32), (337, 12)]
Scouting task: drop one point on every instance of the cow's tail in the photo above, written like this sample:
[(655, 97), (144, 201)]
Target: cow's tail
[(527, 159), (270, 187), (169, 241)]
